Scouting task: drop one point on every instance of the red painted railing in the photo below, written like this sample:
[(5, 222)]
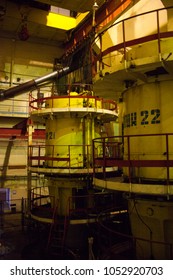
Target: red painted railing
[(86, 102), (126, 40), (37, 156), (117, 152)]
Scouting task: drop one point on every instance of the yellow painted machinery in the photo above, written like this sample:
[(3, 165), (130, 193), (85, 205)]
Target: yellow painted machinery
[(147, 111), (66, 202), (71, 123)]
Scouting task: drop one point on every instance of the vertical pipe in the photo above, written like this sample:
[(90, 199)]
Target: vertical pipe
[(167, 164), (100, 56), (128, 149), (167, 158), (93, 136), (124, 43), (93, 153), (53, 151), (88, 139), (69, 156), (104, 159), (158, 34), (39, 156), (93, 19), (83, 140), (22, 214), (40, 195), (29, 182)]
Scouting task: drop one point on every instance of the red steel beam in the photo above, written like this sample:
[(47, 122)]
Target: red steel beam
[(18, 133), (108, 162)]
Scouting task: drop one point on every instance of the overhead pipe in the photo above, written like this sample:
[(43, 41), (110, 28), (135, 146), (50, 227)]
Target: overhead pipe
[(32, 84)]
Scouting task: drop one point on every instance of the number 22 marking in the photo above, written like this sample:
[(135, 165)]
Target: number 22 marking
[(154, 112)]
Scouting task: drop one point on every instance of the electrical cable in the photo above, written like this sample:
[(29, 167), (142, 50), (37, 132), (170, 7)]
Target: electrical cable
[(150, 231)]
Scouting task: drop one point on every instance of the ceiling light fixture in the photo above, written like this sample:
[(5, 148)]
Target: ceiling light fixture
[(95, 8)]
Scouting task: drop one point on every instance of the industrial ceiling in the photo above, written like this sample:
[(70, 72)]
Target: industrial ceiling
[(13, 11), (79, 6)]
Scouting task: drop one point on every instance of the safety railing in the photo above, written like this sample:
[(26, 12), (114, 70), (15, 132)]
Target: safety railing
[(40, 196), (128, 37), (63, 156), (14, 108), (42, 204), (72, 101), (78, 206), (86, 206), (134, 152), (125, 237)]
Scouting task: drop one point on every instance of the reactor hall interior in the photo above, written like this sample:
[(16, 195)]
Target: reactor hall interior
[(86, 145)]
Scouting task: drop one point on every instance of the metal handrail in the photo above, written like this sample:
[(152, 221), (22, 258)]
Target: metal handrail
[(105, 103), (38, 153), (116, 156), (131, 238), (92, 208), (123, 44)]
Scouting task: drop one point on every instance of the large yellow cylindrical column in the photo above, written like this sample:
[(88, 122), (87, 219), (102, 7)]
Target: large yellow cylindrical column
[(147, 109), (146, 113), (64, 140), (71, 123)]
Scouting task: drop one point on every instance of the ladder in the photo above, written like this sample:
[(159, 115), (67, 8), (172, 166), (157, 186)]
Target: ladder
[(57, 234)]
